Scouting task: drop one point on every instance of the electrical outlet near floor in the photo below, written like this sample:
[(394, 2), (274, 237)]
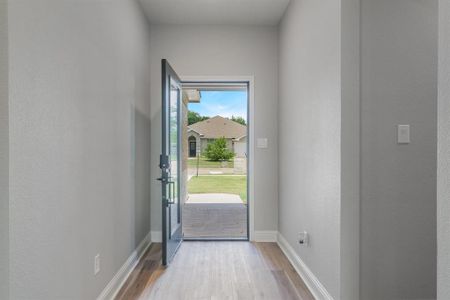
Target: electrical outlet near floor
[(96, 264)]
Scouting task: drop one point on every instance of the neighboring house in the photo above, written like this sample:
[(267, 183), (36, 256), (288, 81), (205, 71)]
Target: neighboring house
[(204, 132)]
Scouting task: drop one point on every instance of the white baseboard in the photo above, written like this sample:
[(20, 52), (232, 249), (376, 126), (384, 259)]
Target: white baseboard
[(311, 281), (265, 236), (156, 236), (121, 276)]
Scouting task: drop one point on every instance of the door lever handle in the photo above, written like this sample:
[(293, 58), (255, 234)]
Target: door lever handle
[(166, 180), (167, 202)]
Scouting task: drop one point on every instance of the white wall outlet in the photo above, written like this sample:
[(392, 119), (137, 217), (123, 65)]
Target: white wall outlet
[(303, 238), (96, 264)]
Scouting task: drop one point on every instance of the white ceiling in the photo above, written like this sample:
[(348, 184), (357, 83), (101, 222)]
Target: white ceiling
[(215, 12)]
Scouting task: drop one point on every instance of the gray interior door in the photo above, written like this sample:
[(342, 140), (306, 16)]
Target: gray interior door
[(170, 162)]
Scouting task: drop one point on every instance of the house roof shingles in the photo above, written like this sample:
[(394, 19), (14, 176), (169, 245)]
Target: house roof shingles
[(217, 127)]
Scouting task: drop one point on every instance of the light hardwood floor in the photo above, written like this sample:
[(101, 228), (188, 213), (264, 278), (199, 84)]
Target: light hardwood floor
[(216, 270)]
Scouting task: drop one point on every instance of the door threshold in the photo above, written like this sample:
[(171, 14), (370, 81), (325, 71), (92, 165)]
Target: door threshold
[(215, 239)]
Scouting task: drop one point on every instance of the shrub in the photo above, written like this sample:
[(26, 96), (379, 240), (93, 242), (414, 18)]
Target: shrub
[(218, 150)]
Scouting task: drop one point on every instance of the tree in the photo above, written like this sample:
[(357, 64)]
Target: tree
[(194, 117), (218, 150), (239, 120)]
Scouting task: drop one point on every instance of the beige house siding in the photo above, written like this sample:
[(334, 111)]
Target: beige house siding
[(240, 147), (207, 131), (205, 142), (202, 143)]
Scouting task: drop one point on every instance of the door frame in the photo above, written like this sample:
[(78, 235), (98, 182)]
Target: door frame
[(169, 74), (250, 141), (190, 149)]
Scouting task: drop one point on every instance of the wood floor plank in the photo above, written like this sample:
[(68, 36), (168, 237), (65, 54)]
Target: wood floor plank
[(216, 270), (275, 261)]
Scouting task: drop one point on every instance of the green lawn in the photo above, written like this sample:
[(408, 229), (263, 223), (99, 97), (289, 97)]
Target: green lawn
[(204, 163), (219, 184)]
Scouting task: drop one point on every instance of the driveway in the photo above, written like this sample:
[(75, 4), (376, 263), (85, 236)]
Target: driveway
[(210, 171)]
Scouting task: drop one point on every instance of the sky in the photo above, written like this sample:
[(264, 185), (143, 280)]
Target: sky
[(221, 103)]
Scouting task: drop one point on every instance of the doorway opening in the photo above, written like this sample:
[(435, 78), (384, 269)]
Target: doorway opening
[(215, 160), (192, 147), (205, 197)]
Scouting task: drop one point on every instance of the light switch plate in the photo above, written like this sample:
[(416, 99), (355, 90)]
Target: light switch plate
[(262, 143), (403, 134)]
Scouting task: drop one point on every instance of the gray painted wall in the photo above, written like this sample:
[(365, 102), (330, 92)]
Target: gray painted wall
[(443, 177), (398, 206), (350, 149), (79, 143), (223, 51), (309, 135), (4, 154)]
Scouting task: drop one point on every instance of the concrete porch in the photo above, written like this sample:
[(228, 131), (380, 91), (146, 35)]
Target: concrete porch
[(211, 216)]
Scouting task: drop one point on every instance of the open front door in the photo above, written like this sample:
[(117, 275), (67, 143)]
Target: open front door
[(170, 162)]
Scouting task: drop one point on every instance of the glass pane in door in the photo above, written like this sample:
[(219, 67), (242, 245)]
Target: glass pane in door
[(174, 134)]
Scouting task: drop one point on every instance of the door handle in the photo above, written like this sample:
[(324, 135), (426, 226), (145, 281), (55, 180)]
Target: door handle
[(171, 192), (168, 200), (165, 180)]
